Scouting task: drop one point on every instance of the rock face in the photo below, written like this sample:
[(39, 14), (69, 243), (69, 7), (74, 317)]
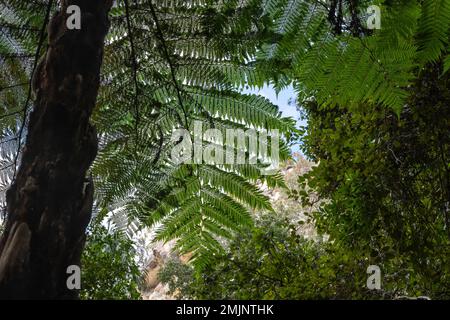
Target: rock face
[(152, 289), (161, 253), (292, 208), (158, 293)]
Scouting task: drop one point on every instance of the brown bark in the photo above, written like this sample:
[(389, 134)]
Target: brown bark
[(49, 205)]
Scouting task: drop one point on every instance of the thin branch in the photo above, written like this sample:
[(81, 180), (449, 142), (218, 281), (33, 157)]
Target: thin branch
[(8, 140), (7, 167), (25, 108), (134, 67), (10, 114), (11, 26), (16, 56), (13, 86), (167, 55)]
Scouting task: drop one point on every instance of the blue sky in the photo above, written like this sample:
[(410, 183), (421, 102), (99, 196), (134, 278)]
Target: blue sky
[(282, 101)]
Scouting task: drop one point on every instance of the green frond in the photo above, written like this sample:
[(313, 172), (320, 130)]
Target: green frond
[(447, 64), (175, 62), (434, 27)]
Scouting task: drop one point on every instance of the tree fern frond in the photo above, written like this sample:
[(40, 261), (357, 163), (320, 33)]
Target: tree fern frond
[(434, 27)]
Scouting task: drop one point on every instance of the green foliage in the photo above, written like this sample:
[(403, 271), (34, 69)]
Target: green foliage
[(108, 266), (179, 277), (166, 65), (387, 178), (334, 63), (271, 261), (447, 64), (376, 103), (377, 109), (188, 64), (434, 26)]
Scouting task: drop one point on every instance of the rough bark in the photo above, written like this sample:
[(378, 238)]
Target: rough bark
[(49, 205)]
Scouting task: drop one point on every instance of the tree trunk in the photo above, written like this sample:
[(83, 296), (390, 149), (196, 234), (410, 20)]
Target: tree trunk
[(50, 202)]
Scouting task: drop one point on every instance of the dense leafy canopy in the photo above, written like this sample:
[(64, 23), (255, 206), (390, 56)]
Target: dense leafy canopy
[(376, 104), (377, 113), (108, 266), (167, 65)]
